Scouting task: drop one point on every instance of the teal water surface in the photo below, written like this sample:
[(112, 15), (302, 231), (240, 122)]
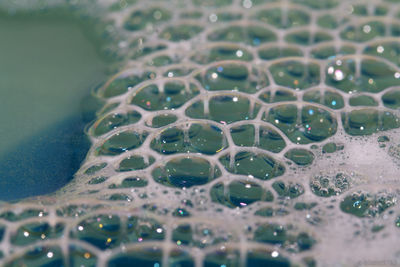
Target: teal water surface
[(47, 69)]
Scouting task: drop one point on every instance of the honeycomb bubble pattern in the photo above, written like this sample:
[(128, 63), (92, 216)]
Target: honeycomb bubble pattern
[(238, 133)]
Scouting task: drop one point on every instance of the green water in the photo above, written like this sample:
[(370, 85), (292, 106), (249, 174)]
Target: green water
[(47, 68)]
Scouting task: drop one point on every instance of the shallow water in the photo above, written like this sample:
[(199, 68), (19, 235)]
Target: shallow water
[(47, 69)]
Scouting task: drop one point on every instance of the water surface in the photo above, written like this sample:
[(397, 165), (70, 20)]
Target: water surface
[(47, 68)]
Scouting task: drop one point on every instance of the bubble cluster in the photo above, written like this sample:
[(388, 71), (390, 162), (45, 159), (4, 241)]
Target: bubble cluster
[(235, 133), (326, 185)]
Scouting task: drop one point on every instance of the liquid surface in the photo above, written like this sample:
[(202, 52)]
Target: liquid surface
[(47, 67)]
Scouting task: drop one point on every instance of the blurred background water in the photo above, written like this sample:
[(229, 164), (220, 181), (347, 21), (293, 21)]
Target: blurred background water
[(47, 68)]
